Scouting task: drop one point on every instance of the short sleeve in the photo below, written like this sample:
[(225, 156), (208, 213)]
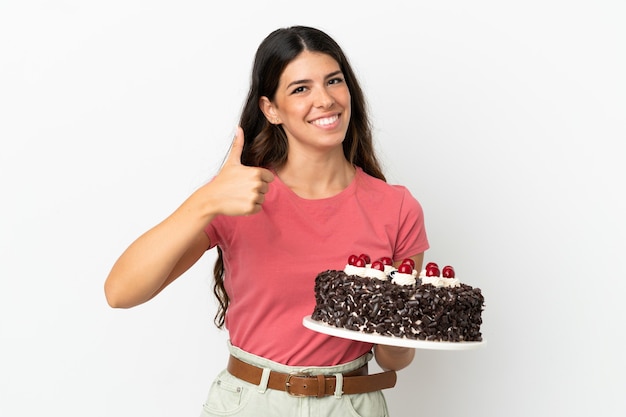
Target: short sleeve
[(412, 238), (212, 232)]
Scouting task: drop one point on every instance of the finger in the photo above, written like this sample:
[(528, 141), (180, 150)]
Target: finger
[(264, 188), (260, 199), (266, 175), (236, 149)]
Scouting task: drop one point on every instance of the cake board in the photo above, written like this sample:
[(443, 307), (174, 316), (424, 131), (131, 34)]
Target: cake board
[(378, 339)]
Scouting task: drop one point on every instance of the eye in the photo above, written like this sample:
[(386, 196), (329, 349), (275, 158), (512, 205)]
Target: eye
[(336, 80), (299, 90)]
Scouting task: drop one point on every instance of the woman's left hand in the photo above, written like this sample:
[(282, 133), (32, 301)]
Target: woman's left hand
[(393, 358)]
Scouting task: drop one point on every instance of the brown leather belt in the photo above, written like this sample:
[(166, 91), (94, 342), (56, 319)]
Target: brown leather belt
[(302, 385)]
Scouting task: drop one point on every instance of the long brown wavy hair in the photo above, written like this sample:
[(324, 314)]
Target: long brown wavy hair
[(266, 144)]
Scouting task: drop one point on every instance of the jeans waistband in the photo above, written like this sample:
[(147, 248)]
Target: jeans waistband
[(310, 370)]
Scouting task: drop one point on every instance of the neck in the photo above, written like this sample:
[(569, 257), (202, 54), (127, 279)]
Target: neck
[(316, 178)]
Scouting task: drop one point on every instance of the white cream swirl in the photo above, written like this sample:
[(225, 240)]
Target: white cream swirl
[(439, 281), (375, 273), (365, 272), (389, 269), (354, 270), (403, 279)]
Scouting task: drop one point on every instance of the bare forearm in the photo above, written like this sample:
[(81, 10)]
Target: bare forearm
[(392, 357), (157, 257), (167, 250)]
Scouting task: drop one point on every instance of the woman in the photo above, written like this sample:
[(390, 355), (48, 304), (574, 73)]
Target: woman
[(300, 190)]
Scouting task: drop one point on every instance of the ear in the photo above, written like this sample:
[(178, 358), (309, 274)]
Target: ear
[(269, 110)]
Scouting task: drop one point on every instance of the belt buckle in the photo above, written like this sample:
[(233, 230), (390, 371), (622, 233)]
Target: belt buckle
[(288, 384)]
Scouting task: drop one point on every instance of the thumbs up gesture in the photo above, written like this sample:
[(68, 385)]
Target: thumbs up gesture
[(238, 189)]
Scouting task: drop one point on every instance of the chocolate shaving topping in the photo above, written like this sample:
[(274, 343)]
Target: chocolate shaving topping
[(422, 312)]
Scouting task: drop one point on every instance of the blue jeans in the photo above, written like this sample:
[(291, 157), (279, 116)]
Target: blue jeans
[(230, 396)]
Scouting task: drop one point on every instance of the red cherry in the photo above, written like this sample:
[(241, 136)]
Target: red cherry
[(352, 260), (360, 263), (405, 269), (409, 261), (365, 257), (431, 265), (447, 272), (433, 271), (386, 260), (378, 265)]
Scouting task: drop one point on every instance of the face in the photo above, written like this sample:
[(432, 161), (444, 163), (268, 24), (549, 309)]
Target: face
[(312, 102)]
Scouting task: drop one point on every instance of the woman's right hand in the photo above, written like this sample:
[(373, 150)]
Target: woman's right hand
[(170, 248), (237, 189)]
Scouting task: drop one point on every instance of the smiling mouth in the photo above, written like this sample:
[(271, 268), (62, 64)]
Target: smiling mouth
[(325, 121)]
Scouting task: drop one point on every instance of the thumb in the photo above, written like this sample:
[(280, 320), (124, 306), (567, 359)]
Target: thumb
[(236, 149)]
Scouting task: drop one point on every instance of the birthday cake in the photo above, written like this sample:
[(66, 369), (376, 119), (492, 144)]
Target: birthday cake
[(376, 297)]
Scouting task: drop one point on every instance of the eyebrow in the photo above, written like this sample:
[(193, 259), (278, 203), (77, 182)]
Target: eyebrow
[(297, 82)]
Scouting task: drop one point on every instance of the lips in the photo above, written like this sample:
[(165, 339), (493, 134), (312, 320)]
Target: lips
[(325, 121)]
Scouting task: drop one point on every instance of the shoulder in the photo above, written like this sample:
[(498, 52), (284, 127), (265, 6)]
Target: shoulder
[(381, 189)]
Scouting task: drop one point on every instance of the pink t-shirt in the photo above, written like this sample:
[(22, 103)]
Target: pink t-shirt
[(272, 258)]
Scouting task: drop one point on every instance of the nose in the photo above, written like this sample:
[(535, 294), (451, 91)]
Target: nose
[(323, 99)]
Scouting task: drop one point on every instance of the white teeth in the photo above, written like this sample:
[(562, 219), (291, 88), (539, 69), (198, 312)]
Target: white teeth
[(325, 121)]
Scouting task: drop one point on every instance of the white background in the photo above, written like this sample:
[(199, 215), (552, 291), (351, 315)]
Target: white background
[(505, 119)]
